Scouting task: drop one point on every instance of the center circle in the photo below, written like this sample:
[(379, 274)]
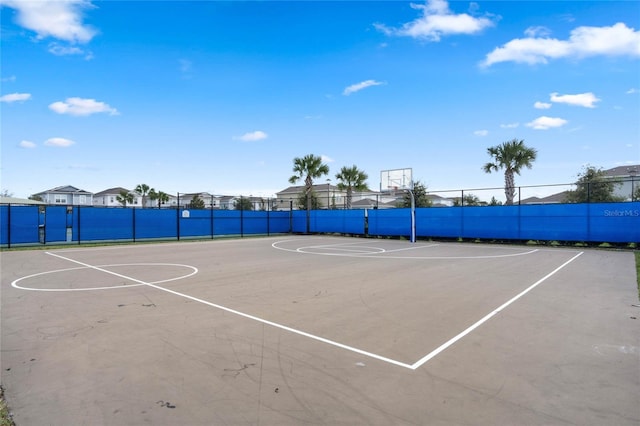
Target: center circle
[(136, 282)]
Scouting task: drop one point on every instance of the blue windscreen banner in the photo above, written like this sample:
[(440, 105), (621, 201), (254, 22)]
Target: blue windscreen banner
[(5, 231), (389, 222), (22, 225), (105, 223), (594, 222), (58, 224), (196, 223), (338, 221), (156, 224)]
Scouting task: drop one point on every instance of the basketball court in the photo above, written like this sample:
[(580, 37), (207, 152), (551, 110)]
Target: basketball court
[(320, 330)]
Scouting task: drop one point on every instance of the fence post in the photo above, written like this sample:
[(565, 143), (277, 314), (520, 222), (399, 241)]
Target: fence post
[(291, 216), (178, 219), (211, 217)]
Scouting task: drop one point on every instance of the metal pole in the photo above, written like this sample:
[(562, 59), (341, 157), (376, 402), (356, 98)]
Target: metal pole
[(178, 218), (413, 217)]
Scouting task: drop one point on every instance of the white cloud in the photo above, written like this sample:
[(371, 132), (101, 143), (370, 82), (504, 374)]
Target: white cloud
[(537, 31), (542, 105), (437, 21), (326, 159), (59, 142), (586, 100), (509, 125), (15, 97), (9, 79), (632, 91), (359, 86), (252, 136), (27, 144), (616, 40), (58, 19), (82, 107), (545, 123), (61, 50), (481, 132)]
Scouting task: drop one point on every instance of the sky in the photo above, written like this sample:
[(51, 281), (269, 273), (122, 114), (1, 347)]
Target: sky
[(221, 97)]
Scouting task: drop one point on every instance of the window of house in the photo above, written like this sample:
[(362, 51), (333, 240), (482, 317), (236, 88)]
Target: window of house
[(60, 199)]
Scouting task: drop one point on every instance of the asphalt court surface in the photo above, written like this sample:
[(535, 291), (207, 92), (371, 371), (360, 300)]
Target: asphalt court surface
[(320, 330)]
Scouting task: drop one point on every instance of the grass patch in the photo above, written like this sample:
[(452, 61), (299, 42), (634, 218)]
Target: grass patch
[(5, 416)]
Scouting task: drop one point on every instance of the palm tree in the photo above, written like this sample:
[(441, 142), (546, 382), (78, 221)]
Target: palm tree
[(308, 168), (511, 156), (158, 195), (143, 190), (125, 197), (351, 179)]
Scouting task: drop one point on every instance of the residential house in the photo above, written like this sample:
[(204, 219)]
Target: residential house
[(329, 196), (210, 201), (558, 198), (109, 198), (628, 178), (66, 195)]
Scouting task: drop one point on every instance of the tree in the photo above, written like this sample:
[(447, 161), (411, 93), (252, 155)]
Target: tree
[(143, 189), (308, 168), (495, 202), (593, 187), (6, 193), (244, 204), (511, 156), (420, 196), (351, 179), (304, 200), (196, 203), (160, 196), (468, 200), (125, 197)]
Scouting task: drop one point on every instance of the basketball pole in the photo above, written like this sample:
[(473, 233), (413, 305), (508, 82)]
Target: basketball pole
[(412, 238)]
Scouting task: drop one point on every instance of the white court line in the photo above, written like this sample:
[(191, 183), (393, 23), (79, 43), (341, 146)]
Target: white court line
[(233, 311), (413, 366), (15, 283), (382, 253), (490, 315)]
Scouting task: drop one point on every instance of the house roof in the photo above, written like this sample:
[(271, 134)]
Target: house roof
[(66, 189), (299, 188), (111, 191), (23, 201), (623, 171), (560, 197)]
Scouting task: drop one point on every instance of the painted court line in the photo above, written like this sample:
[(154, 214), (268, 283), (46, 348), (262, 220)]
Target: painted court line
[(14, 284), (382, 253), (242, 314), (490, 315), (413, 366)]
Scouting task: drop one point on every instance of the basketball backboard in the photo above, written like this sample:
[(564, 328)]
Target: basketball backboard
[(396, 179)]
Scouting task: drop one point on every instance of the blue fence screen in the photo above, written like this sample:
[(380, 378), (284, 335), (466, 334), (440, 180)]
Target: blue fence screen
[(595, 222)]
